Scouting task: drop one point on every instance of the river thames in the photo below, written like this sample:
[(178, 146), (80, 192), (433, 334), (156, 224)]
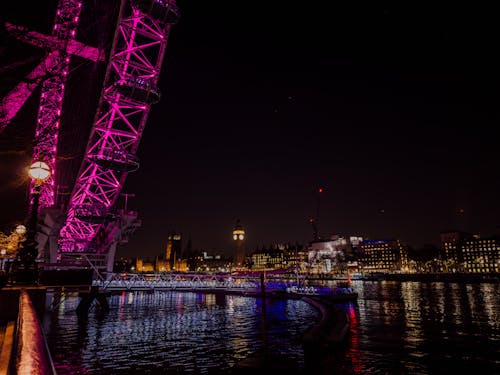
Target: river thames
[(396, 328)]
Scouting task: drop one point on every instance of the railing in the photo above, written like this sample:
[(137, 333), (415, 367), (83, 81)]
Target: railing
[(176, 282), (32, 352), (230, 283), (24, 349)]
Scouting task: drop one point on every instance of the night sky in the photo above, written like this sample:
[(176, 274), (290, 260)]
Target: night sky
[(391, 109)]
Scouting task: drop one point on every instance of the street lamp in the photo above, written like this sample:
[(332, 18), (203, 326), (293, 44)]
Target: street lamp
[(39, 172), (20, 230)]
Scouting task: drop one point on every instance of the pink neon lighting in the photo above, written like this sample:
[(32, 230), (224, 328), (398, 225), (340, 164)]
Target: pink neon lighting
[(128, 92), (15, 99), (52, 96)]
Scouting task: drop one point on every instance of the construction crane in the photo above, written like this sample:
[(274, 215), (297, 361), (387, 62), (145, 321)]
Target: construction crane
[(315, 220)]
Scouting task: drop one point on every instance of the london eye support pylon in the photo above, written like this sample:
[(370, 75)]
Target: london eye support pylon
[(130, 89)]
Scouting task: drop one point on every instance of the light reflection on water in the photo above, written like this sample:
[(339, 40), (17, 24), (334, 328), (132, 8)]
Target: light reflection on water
[(395, 328), (422, 328), (167, 331)]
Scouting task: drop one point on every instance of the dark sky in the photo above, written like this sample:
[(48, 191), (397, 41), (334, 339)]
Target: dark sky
[(391, 108)]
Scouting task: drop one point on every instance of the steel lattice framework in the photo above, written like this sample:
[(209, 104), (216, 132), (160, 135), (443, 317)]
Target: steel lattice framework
[(11, 103), (51, 99), (130, 88), (169, 281)]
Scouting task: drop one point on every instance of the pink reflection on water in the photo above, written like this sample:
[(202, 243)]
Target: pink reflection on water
[(353, 354)]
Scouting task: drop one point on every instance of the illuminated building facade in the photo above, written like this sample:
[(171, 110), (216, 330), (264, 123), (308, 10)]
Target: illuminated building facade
[(470, 253), (451, 243), (332, 255), (382, 256), (481, 255), (161, 265), (267, 259), (295, 257), (209, 263), (181, 265), (239, 238), (173, 249), (141, 266)]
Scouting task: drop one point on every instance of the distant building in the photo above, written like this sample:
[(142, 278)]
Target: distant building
[(267, 259), (162, 265), (141, 266), (173, 249), (335, 254), (382, 256), (473, 254), (295, 256), (481, 255), (209, 263), (181, 265), (239, 238), (159, 265), (451, 243)]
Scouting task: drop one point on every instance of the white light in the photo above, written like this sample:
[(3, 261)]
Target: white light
[(39, 171), (20, 229), (240, 236), (235, 236)]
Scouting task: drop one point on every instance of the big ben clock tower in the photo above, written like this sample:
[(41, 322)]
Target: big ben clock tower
[(239, 244)]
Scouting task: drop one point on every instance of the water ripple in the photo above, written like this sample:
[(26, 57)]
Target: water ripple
[(169, 332)]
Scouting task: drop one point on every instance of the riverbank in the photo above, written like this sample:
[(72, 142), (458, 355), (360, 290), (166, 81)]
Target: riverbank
[(442, 277), (419, 277)]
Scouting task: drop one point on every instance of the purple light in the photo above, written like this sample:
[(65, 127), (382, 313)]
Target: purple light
[(117, 131), (51, 99)]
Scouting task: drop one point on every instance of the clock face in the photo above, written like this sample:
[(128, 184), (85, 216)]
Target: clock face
[(235, 236), (240, 236)]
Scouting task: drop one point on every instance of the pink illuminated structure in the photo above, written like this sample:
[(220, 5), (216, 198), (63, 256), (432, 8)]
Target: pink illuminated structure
[(130, 88), (51, 99), (15, 99), (52, 72)]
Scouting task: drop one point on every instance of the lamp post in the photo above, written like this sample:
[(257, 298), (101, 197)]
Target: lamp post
[(26, 271)]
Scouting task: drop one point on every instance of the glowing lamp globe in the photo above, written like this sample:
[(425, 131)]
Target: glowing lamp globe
[(20, 229), (39, 171)]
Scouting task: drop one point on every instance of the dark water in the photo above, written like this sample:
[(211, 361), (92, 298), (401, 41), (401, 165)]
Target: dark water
[(396, 328), (422, 328), (170, 332)]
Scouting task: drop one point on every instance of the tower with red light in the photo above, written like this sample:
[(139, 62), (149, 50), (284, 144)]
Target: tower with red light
[(315, 220), (239, 238)]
